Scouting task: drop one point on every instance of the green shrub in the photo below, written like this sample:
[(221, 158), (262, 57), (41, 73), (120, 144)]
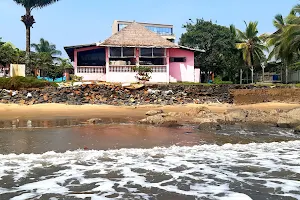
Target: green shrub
[(218, 80), (19, 82)]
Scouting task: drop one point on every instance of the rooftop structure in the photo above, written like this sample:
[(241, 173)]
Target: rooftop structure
[(164, 30)]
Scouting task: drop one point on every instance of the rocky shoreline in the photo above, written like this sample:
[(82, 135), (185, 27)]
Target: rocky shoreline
[(152, 94), (207, 120)]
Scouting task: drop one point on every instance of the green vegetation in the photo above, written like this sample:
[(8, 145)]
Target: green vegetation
[(143, 73), (18, 82), (44, 58), (28, 19), (251, 46), (221, 56), (285, 41)]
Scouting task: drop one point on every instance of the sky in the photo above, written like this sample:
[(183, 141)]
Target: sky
[(74, 22)]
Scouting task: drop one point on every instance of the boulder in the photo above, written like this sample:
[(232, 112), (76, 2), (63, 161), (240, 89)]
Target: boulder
[(209, 118), (262, 116), (236, 115), (209, 126), (94, 121), (161, 120), (198, 111), (289, 119), (154, 112), (297, 130)]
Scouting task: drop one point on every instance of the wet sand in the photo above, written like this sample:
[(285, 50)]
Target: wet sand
[(48, 111), (117, 136)]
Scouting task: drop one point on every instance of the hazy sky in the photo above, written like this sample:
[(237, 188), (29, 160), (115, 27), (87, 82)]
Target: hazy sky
[(73, 22)]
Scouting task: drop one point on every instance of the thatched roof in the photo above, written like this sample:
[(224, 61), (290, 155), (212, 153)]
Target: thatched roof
[(136, 35)]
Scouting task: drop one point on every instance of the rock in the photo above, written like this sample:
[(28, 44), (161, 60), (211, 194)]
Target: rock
[(209, 126), (154, 112), (161, 120), (254, 126), (262, 116), (29, 95), (236, 115), (287, 122), (94, 121), (198, 111), (297, 130), (289, 119)]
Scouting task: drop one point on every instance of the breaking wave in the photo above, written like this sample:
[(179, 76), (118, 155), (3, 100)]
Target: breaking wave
[(240, 171)]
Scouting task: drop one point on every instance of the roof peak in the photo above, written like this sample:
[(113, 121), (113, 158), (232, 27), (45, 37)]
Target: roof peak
[(136, 34)]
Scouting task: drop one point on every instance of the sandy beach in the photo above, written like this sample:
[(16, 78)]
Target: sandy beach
[(46, 111)]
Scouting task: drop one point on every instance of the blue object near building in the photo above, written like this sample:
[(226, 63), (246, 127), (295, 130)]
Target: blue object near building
[(61, 79), (275, 77)]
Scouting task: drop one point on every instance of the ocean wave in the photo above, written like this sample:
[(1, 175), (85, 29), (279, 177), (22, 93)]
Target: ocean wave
[(230, 171)]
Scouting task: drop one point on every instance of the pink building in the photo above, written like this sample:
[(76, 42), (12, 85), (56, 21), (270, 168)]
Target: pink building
[(114, 59)]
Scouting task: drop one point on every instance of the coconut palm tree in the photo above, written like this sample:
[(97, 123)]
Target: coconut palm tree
[(234, 32), (46, 47), (29, 20), (285, 42), (276, 43), (251, 45)]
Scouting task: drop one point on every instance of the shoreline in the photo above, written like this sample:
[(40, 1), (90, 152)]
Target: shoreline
[(53, 110)]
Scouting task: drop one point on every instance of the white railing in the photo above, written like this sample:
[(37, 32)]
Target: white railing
[(91, 70), (130, 68)]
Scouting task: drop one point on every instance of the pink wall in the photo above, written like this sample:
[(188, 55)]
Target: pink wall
[(182, 71), (88, 76)]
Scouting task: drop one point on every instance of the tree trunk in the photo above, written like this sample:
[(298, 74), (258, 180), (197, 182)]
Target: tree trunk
[(247, 74), (28, 26), (241, 76), (263, 74), (27, 33), (252, 70), (286, 74)]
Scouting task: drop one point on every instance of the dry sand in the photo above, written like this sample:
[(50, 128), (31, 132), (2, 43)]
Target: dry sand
[(46, 111)]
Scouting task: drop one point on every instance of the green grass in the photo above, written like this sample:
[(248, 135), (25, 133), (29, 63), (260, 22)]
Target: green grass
[(19, 82)]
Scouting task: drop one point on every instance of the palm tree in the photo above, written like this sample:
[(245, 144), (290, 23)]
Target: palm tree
[(234, 32), (251, 45), (44, 51), (28, 19), (45, 47), (285, 41), (275, 41)]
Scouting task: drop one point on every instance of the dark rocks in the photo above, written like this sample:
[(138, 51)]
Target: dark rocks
[(116, 95)]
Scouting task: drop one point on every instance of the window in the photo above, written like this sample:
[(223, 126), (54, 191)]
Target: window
[(147, 52), (160, 30), (152, 52), (120, 52), (128, 52), (115, 52), (159, 52), (121, 26), (177, 59), (95, 57)]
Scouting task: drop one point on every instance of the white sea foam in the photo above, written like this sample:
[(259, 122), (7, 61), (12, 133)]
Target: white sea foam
[(206, 171)]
